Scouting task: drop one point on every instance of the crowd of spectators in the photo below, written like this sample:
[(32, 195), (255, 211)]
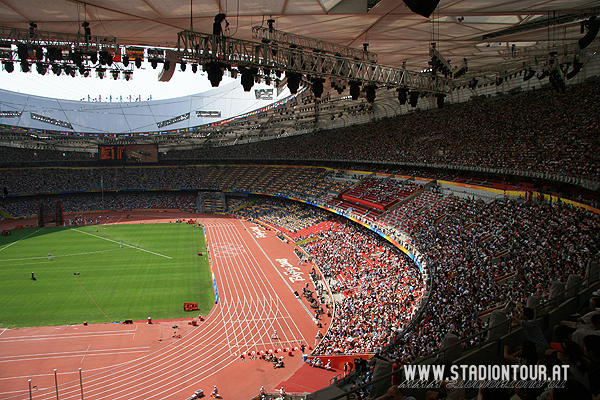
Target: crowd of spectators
[(532, 244), (290, 181), (380, 288), (538, 130), (80, 202), (288, 216)]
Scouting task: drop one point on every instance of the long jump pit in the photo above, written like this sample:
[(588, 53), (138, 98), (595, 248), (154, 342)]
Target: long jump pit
[(258, 316)]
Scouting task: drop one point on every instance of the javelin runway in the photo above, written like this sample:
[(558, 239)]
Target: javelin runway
[(257, 311)]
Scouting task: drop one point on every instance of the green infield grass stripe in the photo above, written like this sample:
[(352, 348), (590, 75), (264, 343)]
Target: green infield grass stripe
[(114, 241), (96, 304)]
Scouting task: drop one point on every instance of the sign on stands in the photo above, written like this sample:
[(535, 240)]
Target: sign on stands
[(263, 94), (208, 114)]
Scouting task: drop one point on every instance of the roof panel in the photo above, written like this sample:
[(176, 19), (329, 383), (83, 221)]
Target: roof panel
[(392, 30)]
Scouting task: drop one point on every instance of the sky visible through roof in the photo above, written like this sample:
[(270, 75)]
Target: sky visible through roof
[(143, 86)]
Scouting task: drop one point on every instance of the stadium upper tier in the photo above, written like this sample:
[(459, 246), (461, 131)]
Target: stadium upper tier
[(538, 134)]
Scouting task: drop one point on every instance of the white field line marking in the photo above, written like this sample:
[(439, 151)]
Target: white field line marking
[(124, 244), (118, 352), (56, 256), (16, 339), (8, 245), (74, 353)]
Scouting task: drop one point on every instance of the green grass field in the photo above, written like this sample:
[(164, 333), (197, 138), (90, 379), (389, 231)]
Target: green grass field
[(152, 275)]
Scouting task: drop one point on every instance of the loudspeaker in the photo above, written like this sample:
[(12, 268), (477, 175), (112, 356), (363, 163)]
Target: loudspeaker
[(422, 7)]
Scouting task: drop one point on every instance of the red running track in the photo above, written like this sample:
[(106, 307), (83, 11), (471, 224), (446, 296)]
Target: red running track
[(142, 361)]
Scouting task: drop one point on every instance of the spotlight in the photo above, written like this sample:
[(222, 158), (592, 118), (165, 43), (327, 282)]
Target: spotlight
[(87, 30), (215, 73), (9, 66), (32, 29), (82, 71), (24, 66), (127, 75), (354, 89), (154, 64), (100, 72), (370, 93), (138, 62), (41, 68), (194, 68), (182, 65), (473, 83), (461, 69), (440, 100), (68, 69), (106, 58), (499, 80), (126, 61), (593, 27), (529, 74), (53, 54), (77, 58), (413, 99), (317, 86), (402, 95), (22, 52), (438, 62), (93, 57), (248, 78), (293, 81), (577, 65), (115, 74)]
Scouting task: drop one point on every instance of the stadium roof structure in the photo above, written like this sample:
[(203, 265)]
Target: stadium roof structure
[(484, 32)]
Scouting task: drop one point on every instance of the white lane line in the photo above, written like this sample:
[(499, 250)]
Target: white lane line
[(124, 244), (56, 256)]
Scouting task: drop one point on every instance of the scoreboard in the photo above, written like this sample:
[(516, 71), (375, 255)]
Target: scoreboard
[(113, 154), (118, 154)]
